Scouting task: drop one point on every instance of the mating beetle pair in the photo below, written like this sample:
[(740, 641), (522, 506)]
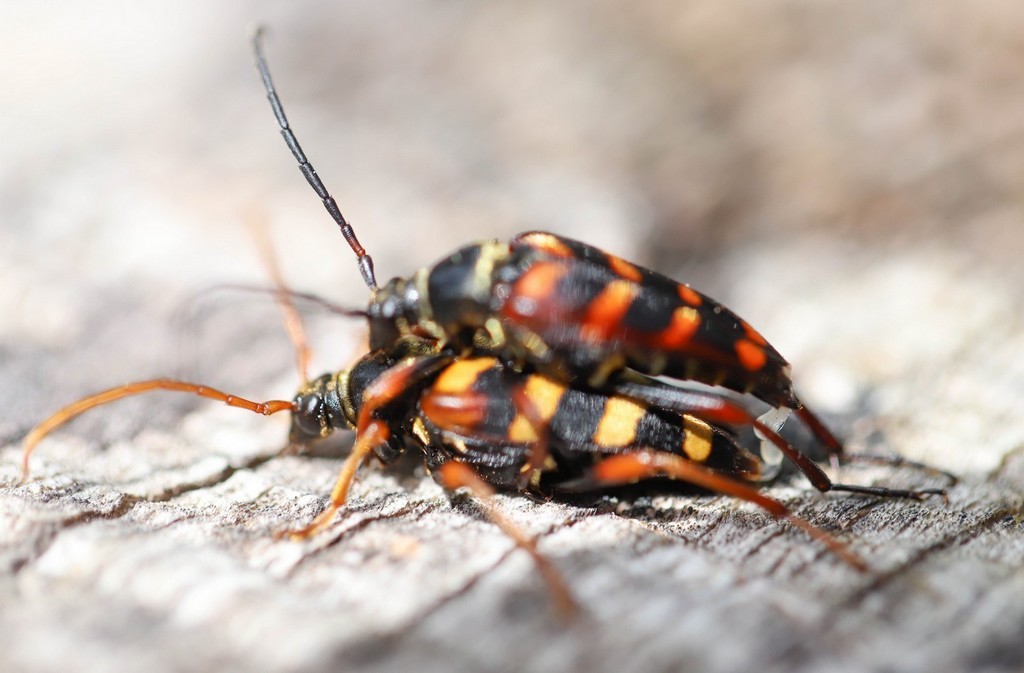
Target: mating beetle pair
[(529, 366)]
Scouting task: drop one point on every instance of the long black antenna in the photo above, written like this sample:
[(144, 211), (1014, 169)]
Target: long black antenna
[(363, 259)]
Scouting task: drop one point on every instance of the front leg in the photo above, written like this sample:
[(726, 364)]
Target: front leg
[(373, 429)]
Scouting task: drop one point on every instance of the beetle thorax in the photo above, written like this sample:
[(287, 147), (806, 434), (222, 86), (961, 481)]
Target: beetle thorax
[(451, 302), (460, 290)]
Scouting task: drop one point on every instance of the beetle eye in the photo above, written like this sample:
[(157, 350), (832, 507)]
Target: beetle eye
[(308, 418)]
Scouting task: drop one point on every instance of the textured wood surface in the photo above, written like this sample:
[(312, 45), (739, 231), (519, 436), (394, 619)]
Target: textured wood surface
[(847, 177)]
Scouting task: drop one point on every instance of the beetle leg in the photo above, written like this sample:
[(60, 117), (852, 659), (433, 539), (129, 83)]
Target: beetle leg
[(641, 464), (892, 460), (537, 450), (811, 420), (374, 434), (716, 410), (453, 475), (292, 319), (372, 431)]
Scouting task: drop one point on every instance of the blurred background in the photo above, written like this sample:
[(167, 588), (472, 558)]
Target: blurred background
[(847, 176)]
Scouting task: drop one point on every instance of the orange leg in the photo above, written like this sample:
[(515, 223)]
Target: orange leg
[(643, 464), (292, 320), (455, 475), (538, 450), (374, 434), (716, 409), (371, 431)]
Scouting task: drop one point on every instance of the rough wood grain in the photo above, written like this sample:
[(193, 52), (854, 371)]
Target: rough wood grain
[(875, 241)]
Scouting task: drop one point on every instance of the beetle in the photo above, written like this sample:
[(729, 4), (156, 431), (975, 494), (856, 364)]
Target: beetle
[(583, 316), (481, 424)]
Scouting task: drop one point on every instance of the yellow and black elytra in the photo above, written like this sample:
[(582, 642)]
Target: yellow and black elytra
[(481, 413), (474, 405)]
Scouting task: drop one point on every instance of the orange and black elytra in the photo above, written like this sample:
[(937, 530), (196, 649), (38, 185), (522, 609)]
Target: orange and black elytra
[(529, 366)]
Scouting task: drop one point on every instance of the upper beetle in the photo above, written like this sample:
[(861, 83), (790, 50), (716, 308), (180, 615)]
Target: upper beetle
[(566, 308)]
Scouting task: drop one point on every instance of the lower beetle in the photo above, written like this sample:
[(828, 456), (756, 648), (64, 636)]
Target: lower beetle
[(481, 424)]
